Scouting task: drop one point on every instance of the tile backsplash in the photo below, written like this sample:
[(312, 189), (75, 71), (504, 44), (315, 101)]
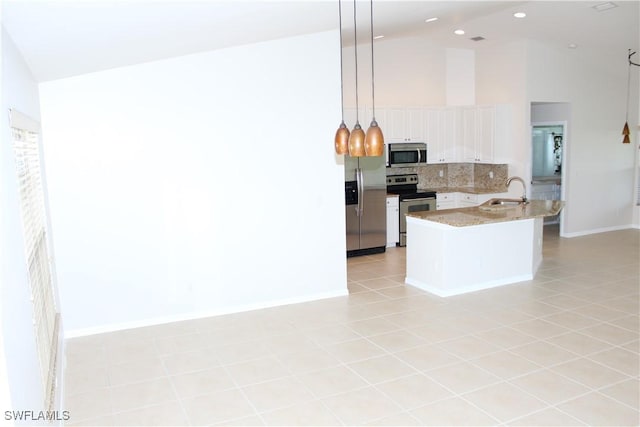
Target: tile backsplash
[(490, 176), (476, 175)]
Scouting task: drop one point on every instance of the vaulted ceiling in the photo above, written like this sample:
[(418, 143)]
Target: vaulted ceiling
[(62, 38)]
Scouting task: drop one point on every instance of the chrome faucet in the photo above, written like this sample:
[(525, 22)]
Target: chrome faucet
[(524, 187)]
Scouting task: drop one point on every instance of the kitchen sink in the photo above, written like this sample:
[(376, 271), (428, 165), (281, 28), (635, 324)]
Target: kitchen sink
[(498, 204)]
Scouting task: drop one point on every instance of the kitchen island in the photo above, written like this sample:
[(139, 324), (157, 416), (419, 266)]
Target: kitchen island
[(456, 251)]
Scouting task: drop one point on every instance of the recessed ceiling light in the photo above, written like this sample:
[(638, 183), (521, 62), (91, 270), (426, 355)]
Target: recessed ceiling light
[(435, 18), (604, 6), (381, 36), (459, 32), (519, 14), (477, 38), (572, 46)]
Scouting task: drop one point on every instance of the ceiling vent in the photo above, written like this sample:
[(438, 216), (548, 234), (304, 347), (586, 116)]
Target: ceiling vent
[(605, 6), (477, 38)]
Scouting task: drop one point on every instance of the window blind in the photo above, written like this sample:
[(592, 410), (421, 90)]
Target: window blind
[(25, 137)]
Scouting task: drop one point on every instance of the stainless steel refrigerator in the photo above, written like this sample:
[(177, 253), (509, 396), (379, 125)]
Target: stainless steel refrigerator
[(365, 204)]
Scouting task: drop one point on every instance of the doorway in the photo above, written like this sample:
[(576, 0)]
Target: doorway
[(548, 157), (556, 116)]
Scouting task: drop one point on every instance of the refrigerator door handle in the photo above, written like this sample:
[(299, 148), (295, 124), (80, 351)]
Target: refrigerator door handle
[(360, 192)]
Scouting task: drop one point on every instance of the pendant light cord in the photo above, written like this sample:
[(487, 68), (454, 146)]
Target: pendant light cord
[(341, 67), (373, 91), (628, 84), (355, 38)]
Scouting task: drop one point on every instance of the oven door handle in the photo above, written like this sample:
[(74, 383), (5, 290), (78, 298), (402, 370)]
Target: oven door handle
[(418, 200)]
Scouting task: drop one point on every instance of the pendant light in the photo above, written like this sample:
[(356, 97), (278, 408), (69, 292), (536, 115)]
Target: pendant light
[(374, 140), (356, 140), (342, 134), (625, 129)]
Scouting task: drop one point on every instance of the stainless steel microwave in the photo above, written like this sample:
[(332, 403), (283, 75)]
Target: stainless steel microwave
[(407, 154)]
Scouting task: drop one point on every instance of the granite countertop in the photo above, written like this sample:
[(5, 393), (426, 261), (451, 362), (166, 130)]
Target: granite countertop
[(470, 190), (463, 217)]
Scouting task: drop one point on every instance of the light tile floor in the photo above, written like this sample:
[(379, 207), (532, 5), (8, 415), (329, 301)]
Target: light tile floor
[(562, 349)]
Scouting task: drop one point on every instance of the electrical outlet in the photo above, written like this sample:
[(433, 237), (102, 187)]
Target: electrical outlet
[(491, 174), (441, 173)]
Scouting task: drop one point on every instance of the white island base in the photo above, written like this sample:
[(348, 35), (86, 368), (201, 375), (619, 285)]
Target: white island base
[(446, 260)]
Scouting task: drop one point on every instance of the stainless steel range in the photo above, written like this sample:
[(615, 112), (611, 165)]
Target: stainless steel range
[(411, 199)]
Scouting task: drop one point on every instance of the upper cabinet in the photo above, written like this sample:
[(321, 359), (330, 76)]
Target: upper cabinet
[(441, 134), (477, 128), (467, 134), (403, 124), (486, 128)]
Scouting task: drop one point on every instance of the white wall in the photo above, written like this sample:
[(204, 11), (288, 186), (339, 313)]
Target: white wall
[(197, 185), (599, 166), (409, 71), (20, 381), (461, 77)]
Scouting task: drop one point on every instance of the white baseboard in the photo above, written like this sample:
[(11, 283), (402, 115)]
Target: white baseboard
[(466, 289), (199, 315), (598, 230)]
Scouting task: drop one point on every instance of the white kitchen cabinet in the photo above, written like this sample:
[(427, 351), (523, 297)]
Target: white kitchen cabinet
[(446, 201), (394, 124), (485, 126), (477, 128), (404, 124), (464, 200), (393, 221), (469, 134), (440, 134), (415, 125), (502, 134), (467, 126), (467, 199)]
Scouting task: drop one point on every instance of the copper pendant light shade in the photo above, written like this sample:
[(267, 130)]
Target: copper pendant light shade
[(342, 139), (625, 133), (356, 142), (374, 140)]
